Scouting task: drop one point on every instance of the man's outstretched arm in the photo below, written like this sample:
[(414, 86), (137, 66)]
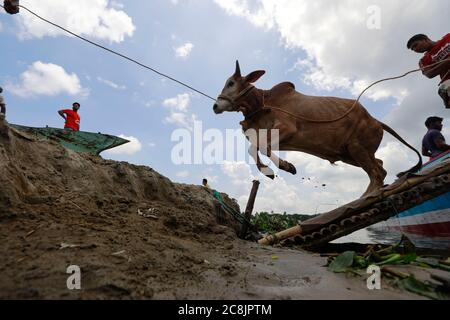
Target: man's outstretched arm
[(62, 114)]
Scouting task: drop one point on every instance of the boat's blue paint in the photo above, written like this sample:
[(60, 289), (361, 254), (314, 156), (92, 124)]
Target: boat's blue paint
[(438, 203), (436, 161)]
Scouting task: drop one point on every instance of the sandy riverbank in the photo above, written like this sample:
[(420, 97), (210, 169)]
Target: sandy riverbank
[(60, 208)]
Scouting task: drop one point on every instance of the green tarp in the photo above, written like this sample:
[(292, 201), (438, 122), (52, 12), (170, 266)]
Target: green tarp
[(80, 141)]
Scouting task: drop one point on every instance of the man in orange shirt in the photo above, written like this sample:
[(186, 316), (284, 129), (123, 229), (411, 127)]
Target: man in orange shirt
[(72, 117)]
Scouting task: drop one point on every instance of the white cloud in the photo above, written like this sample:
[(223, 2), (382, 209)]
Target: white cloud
[(98, 19), (341, 51), (47, 79), (149, 103), (339, 177), (182, 174), (287, 196), (152, 144), (408, 118), (111, 84), (397, 158), (184, 50), (178, 118), (179, 111), (212, 179), (260, 16), (117, 5), (179, 103), (130, 148), (238, 171), (181, 119)]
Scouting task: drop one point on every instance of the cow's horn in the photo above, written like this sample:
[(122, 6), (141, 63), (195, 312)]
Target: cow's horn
[(238, 69)]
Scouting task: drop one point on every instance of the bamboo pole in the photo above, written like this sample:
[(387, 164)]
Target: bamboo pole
[(285, 234), (249, 208)]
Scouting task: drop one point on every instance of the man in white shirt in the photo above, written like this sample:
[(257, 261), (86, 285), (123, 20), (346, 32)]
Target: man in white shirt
[(2, 105)]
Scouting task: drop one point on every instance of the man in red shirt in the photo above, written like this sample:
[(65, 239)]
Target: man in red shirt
[(434, 52), (72, 117)]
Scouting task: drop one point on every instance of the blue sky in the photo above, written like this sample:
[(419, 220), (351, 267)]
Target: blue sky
[(323, 49)]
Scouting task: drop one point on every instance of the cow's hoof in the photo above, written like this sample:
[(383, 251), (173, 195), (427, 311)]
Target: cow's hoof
[(288, 167), (292, 169)]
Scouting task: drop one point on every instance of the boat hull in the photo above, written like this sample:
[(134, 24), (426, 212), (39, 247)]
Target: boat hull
[(428, 222), (430, 219)]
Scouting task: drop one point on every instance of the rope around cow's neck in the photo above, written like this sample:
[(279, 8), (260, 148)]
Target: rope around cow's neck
[(356, 101)]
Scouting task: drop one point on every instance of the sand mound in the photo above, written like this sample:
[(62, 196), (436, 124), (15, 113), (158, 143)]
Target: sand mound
[(132, 231)]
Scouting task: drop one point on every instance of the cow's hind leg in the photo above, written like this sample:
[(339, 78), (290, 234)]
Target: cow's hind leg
[(382, 172), (372, 166)]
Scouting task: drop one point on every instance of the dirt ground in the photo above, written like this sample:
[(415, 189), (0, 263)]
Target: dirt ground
[(137, 235)]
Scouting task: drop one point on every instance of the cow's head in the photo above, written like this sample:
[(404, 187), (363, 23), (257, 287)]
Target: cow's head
[(235, 90)]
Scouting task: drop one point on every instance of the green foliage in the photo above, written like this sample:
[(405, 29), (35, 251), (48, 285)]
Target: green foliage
[(342, 262), (386, 256), (275, 222), (421, 288), (351, 262)]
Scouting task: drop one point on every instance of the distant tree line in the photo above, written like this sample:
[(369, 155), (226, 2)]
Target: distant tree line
[(275, 222)]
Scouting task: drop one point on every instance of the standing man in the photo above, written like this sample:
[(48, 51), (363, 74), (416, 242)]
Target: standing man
[(72, 117), (2, 105), (434, 52), (433, 143), (11, 7)]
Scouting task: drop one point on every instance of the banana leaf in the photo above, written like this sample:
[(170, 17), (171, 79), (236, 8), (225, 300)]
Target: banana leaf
[(342, 263)]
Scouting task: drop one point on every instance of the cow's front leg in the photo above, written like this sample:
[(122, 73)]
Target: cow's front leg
[(283, 133), (264, 169), (280, 163), (285, 165)]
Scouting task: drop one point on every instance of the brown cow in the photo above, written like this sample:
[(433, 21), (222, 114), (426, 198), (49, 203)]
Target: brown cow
[(331, 128)]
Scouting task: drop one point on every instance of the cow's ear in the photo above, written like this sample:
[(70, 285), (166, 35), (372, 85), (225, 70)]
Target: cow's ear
[(254, 76), (237, 73)]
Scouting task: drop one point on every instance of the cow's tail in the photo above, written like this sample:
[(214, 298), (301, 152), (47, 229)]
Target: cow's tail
[(396, 135)]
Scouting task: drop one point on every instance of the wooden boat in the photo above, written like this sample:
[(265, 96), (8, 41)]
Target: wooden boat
[(427, 223)]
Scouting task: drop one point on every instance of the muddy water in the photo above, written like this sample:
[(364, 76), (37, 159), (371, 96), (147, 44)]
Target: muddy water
[(371, 235), (368, 236)]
